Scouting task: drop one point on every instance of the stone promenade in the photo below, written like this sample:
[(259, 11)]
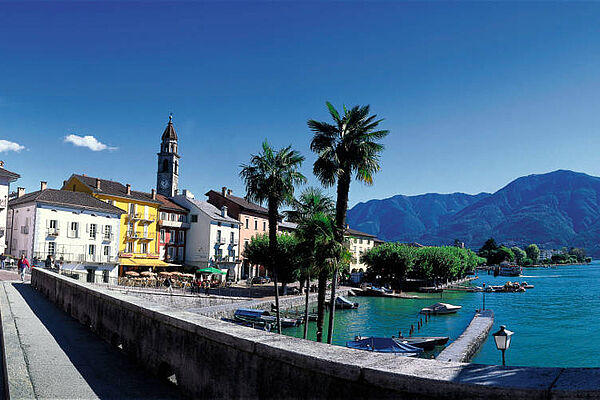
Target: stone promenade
[(50, 355)]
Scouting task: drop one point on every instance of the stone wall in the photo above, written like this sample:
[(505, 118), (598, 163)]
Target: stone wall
[(213, 359), (467, 344)]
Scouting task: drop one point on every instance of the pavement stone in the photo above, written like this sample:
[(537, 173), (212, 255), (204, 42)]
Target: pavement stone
[(64, 360)]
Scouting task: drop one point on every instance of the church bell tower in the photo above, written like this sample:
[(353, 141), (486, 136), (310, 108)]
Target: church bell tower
[(167, 177)]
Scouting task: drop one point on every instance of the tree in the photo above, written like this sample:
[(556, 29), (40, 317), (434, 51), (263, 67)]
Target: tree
[(390, 261), (488, 250), (345, 148), (578, 253), (519, 253), (533, 252), (271, 177), (316, 226)]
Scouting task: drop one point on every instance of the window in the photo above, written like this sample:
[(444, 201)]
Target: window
[(92, 231), (219, 236), (132, 208), (51, 248), (231, 237), (144, 247), (107, 231), (92, 249), (255, 225), (106, 251), (162, 235), (105, 276), (74, 230), (264, 226), (53, 224), (171, 237), (130, 247), (360, 241), (163, 215), (194, 218), (219, 223), (181, 237), (247, 222), (172, 217), (165, 166), (181, 218), (246, 243), (219, 252)]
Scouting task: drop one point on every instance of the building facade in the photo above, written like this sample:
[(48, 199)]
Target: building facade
[(73, 227), (6, 178), (359, 242), (138, 248), (213, 236), (173, 225), (254, 220), (167, 175)]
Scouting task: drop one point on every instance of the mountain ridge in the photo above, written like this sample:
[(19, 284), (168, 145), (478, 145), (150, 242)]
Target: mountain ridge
[(554, 209)]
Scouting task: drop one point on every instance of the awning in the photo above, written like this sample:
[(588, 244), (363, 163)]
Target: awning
[(128, 262), (71, 267), (150, 262)]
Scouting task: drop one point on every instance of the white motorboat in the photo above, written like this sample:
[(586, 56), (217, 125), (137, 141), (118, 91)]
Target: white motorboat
[(440, 308)]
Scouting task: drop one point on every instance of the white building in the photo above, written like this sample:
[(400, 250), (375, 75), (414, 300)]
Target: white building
[(213, 237), (359, 243), (74, 227), (6, 177)]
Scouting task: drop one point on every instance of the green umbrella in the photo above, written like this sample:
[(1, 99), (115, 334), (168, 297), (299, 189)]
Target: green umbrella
[(211, 270)]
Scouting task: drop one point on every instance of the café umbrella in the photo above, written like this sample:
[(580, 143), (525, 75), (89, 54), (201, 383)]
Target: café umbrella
[(211, 270)]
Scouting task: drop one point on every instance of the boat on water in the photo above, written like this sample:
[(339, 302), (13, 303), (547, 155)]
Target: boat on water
[(378, 291), (384, 345), (263, 316), (510, 270), (342, 303), (440, 309), (426, 343)]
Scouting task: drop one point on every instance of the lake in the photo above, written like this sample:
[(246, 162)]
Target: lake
[(555, 323)]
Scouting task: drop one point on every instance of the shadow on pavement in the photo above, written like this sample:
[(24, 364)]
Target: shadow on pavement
[(106, 370)]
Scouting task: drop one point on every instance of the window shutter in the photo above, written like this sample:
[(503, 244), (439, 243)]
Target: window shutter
[(47, 223), (87, 227)]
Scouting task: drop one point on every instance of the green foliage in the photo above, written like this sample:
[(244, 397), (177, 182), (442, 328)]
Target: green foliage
[(578, 253), (527, 261), (519, 253), (533, 252), (394, 262), (287, 259)]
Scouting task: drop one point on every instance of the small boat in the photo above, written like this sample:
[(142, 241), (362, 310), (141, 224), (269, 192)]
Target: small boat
[(384, 345), (261, 325), (378, 291), (440, 308), (257, 316), (438, 340), (343, 303)]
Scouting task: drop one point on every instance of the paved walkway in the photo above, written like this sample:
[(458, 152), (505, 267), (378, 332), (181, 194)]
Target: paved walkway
[(52, 356)]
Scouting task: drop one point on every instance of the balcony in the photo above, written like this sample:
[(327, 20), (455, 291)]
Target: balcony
[(3, 203), (40, 257), (52, 232), (145, 236), (132, 235), (107, 237), (173, 224), (220, 241), (134, 216), (234, 242)]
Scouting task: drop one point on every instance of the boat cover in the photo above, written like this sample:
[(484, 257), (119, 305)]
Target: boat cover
[(342, 300), (383, 345)]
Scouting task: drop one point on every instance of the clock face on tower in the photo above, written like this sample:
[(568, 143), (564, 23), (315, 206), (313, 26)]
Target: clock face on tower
[(164, 183)]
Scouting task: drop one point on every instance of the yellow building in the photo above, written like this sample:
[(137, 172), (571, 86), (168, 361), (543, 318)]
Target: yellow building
[(138, 245)]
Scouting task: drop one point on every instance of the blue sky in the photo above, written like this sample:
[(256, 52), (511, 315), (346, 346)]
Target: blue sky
[(474, 94)]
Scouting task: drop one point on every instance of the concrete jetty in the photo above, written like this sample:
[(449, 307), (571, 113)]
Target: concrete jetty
[(467, 344)]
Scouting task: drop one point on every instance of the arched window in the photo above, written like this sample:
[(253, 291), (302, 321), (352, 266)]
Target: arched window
[(165, 167)]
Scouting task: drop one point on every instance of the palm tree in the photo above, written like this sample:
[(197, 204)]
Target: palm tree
[(313, 213), (271, 177), (348, 147)]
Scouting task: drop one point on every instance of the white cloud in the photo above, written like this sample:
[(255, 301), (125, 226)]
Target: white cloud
[(5, 145), (88, 141)]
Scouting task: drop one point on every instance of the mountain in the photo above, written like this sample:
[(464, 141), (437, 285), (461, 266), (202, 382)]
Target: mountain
[(560, 208)]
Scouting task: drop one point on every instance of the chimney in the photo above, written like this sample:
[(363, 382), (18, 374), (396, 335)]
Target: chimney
[(229, 192), (128, 189), (97, 183), (187, 194), (224, 211), (176, 192), (43, 185), (20, 192), (64, 183), (153, 194), (224, 191)]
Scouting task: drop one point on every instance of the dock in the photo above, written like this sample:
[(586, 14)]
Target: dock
[(467, 344)]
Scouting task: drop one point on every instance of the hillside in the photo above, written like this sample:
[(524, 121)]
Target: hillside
[(560, 208)]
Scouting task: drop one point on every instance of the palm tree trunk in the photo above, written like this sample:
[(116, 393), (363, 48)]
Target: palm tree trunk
[(273, 251), (341, 207), (306, 306), (321, 304)]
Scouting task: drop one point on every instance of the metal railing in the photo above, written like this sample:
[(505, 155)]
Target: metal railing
[(107, 237), (52, 231)]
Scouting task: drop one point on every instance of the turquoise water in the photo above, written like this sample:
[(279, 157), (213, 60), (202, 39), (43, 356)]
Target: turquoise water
[(555, 323)]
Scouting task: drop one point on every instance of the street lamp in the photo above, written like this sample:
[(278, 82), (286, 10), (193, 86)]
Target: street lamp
[(502, 339)]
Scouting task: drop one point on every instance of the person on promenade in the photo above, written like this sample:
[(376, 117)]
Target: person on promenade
[(2, 261), (49, 262), (23, 265), (169, 284)]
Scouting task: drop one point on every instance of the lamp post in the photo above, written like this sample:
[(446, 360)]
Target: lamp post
[(483, 297), (502, 339)]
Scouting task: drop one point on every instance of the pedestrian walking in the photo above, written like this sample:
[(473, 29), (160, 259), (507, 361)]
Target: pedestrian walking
[(49, 262), (23, 266), (2, 261), (169, 284)]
